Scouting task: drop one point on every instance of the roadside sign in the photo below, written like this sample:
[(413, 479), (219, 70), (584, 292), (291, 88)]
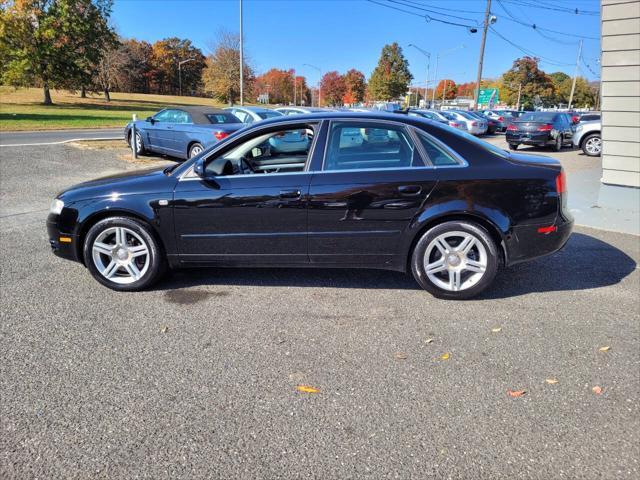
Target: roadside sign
[(488, 96)]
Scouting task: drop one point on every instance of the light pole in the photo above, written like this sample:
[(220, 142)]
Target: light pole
[(435, 76), (319, 84), (180, 71), (426, 83), (241, 60)]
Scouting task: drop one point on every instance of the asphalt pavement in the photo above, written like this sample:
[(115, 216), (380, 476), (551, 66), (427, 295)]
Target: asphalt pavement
[(197, 378), (53, 137)]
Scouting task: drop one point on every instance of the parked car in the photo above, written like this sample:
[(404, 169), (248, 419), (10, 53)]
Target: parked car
[(182, 132), (492, 125), (248, 115), (506, 117), (475, 126), (589, 117), (542, 129), (438, 117), (588, 138), (434, 201), (301, 110)]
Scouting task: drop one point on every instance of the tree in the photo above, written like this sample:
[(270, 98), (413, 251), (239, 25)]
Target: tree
[(391, 77), (355, 87), (278, 84), (164, 73), (109, 68), (221, 77), (52, 43), (537, 86), (303, 94), (448, 87), (333, 88), (135, 73)]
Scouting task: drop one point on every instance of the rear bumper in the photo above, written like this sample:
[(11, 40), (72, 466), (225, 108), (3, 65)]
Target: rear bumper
[(540, 139), (526, 243)]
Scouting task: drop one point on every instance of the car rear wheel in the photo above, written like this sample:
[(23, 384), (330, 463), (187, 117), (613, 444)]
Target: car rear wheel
[(455, 260), (122, 254), (558, 145), (196, 149), (513, 146), (592, 145), (139, 144)]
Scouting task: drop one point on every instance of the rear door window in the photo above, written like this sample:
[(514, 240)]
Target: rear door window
[(369, 145)]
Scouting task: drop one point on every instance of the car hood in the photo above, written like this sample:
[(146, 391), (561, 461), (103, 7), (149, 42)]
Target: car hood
[(126, 183)]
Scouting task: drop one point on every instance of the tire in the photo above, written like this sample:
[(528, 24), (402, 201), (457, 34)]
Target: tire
[(136, 267), (556, 147), (513, 146), (195, 149), (140, 150), (592, 145), (452, 267)]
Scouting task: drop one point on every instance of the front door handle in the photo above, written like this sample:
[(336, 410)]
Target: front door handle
[(290, 193), (410, 189)]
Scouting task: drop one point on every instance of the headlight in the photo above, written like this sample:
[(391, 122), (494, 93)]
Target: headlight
[(579, 128), (56, 206)]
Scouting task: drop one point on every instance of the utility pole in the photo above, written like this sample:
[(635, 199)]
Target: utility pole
[(241, 60), (426, 83), (487, 13), (319, 81), (435, 79), (575, 75), (444, 91)]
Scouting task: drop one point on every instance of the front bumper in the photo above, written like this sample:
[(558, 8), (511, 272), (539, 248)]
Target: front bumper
[(62, 244)]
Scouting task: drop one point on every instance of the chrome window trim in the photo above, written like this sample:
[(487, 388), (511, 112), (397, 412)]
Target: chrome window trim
[(186, 175)]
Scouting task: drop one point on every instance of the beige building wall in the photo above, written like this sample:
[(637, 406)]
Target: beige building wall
[(620, 88)]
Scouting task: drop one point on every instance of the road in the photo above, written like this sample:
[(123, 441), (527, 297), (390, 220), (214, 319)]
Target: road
[(197, 378), (52, 137)]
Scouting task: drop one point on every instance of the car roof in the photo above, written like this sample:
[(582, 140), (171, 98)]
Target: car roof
[(198, 112), (251, 109)]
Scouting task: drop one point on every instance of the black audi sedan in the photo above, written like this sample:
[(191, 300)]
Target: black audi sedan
[(371, 190), (541, 129)]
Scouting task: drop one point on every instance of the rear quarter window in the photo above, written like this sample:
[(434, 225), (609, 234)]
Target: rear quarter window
[(218, 118)]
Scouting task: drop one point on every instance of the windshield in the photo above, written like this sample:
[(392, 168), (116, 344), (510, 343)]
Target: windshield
[(218, 118), (466, 115), (538, 117), (270, 114)]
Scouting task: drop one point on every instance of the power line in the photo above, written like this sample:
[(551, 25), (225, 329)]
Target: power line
[(410, 4), (554, 7), (537, 27), (444, 9), (428, 18), (529, 52)]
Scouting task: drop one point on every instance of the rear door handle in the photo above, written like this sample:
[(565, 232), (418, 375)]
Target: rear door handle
[(410, 189), (290, 193)]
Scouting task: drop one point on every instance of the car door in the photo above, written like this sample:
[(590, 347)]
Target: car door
[(259, 218), (366, 194), (179, 133), (161, 132)]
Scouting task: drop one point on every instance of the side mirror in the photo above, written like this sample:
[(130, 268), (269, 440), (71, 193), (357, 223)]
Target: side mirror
[(219, 167), (256, 152), (150, 120)]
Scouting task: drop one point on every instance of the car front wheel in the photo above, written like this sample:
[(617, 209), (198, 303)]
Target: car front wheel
[(592, 145), (122, 254), (455, 260), (139, 144)]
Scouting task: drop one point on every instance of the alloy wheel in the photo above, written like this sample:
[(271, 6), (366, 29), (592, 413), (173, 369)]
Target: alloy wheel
[(195, 150), (455, 261), (593, 146), (120, 255), (138, 143)]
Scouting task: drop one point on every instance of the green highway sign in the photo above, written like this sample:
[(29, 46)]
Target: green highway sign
[(488, 96)]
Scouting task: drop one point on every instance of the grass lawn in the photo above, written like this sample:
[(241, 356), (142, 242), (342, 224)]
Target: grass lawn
[(22, 109)]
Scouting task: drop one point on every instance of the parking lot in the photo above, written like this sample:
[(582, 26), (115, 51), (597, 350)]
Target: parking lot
[(197, 378)]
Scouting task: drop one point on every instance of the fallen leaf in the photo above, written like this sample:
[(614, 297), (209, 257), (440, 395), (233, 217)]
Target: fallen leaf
[(401, 355), (605, 348), (496, 330), (428, 341), (597, 390), (307, 389), (164, 329), (516, 393), (551, 381), (445, 356)]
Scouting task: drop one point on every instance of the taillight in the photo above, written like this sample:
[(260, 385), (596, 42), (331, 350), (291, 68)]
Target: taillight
[(454, 124), (561, 182), (500, 119), (512, 128), (220, 135), (545, 128)]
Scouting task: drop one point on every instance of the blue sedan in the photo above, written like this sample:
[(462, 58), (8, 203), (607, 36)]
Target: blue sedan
[(182, 132)]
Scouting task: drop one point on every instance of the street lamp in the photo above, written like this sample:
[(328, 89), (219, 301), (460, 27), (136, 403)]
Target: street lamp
[(180, 71), (426, 83), (319, 84), (435, 77)]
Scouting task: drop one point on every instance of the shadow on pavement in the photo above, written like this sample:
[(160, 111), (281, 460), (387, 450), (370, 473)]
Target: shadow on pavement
[(586, 262)]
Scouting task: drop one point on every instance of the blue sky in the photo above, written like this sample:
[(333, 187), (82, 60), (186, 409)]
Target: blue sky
[(343, 34)]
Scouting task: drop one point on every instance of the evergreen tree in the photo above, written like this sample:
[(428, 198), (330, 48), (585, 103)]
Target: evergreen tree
[(391, 77)]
